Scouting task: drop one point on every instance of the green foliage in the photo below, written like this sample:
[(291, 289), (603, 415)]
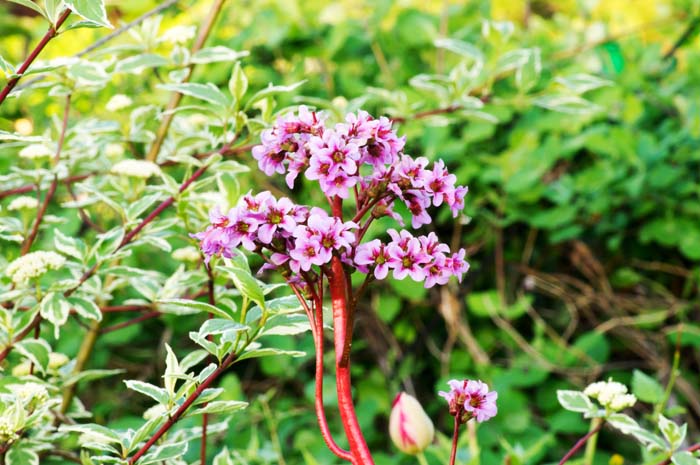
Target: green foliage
[(577, 137)]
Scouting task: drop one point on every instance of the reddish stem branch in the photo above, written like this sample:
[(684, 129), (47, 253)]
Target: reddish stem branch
[(427, 113), (580, 443), (33, 187), (27, 245), (320, 412), (690, 449), (185, 405), (131, 322), (21, 335), (50, 34), (125, 308), (455, 437)]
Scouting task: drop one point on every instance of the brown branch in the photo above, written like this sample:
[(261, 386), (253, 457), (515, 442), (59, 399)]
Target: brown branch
[(580, 443), (50, 34), (52, 188), (427, 113), (185, 405), (133, 321), (205, 30)]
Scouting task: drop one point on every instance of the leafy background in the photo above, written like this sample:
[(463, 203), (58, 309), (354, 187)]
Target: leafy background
[(582, 222)]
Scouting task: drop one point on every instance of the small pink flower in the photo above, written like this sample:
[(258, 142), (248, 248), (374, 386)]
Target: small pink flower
[(469, 399)]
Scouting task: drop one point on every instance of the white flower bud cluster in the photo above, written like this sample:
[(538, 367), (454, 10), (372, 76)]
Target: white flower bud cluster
[(610, 394), (34, 151), (23, 202), (117, 102), (187, 254), (29, 392), (33, 265), (114, 150), (178, 34), (7, 430), (136, 168)]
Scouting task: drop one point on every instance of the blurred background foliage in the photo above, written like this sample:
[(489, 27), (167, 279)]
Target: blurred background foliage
[(582, 227)]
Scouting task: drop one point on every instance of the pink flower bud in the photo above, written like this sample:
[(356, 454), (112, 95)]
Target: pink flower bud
[(409, 426)]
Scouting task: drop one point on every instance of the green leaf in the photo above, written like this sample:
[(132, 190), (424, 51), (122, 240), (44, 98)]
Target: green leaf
[(581, 83), (92, 10), (109, 242), (207, 92), (189, 307), (221, 406), (570, 104), (238, 84), (674, 434), (86, 308), (91, 375), (97, 433), (575, 401), (160, 395), (144, 432), (223, 458), (86, 73), (19, 455), (165, 452), (513, 59), (221, 326), (172, 371), (55, 308), (245, 283), (459, 47), (268, 352), (217, 54), (69, 245), (36, 350), (136, 64), (270, 91), (6, 67), (684, 458), (646, 388), (484, 303)]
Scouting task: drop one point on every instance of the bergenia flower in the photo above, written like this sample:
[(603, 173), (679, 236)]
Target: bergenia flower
[(469, 399)]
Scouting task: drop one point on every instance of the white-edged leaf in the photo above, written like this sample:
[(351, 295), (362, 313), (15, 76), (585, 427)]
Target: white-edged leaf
[(221, 406), (684, 458), (55, 309), (96, 433), (31, 5), (581, 83), (69, 245), (216, 54), (207, 92), (268, 352), (246, 284), (92, 10), (36, 350), (165, 452), (136, 64), (188, 307), (270, 91), (575, 401), (570, 104), (156, 393), (86, 308), (20, 455), (460, 47)]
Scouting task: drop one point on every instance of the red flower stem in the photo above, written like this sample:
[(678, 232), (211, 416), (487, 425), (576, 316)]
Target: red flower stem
[(33, 187), (320, 413), (211, 298), (455, 437), (342, 332), (580, 443), (185, 405), (690, 449), (50, 34)]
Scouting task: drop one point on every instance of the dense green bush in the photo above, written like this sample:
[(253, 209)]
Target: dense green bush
[(578, 138)]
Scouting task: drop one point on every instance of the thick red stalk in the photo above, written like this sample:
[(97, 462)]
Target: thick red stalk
[(342, 332), (50, 34)]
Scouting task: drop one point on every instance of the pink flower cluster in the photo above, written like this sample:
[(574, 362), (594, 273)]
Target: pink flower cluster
[(469, 399), (335, 157), (422, 258), (295, 238)]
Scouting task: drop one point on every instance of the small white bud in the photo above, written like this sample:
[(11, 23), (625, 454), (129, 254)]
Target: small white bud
[(409, 426)]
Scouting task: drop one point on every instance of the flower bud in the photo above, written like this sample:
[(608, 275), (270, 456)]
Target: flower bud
[(409, 426)]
